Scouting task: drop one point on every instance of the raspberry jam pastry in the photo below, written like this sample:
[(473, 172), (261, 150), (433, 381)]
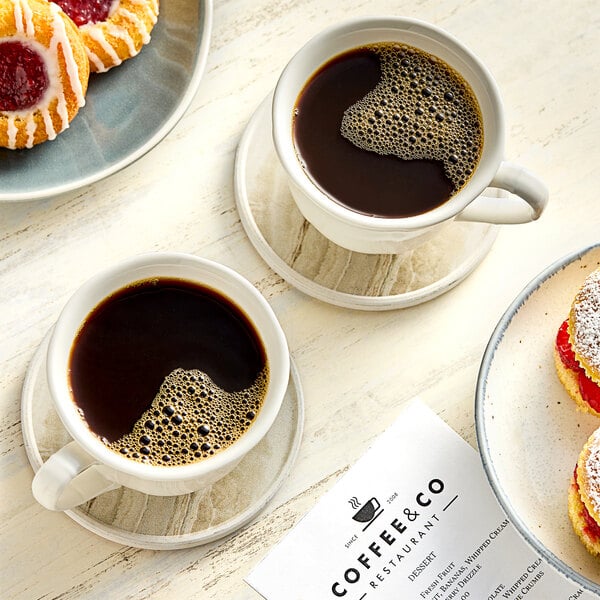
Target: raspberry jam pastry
[(577, 347), (44, 72), (112, 30), (584, 495)]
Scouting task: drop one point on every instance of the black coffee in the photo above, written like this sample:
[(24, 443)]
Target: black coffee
[(168, 372), (388, 130)]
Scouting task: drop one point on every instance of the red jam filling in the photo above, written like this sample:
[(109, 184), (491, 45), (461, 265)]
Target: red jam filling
[(23, 76), (565, 351), (86, 11), (589, 390), (591, 528)]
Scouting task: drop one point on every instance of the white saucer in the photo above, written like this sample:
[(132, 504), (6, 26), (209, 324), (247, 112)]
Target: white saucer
[(169, 522), (310, 262)]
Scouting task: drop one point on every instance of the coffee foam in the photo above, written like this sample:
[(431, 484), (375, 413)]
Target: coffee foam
[(190, 419), (421, 109)]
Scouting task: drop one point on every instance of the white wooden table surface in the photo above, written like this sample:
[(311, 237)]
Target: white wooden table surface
[(357, 368)]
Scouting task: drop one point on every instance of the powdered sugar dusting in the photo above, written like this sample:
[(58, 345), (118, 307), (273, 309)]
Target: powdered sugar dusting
[(586, 323)]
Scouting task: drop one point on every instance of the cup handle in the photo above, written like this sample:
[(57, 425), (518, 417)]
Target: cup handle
[(69, 478), (527, 202)]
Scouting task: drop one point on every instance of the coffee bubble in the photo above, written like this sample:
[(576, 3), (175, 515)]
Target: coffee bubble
[(198, 420), (421, 109)]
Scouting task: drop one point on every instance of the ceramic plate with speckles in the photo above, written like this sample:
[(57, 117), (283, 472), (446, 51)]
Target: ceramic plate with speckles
[(128, 110), (528, 428)]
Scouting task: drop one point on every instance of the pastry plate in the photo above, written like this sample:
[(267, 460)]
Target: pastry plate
[(169, 522), (128, 110), (529, 431), (310, 262)]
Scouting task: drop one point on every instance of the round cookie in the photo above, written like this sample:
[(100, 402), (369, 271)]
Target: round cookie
[(44, 72), (112, 30)]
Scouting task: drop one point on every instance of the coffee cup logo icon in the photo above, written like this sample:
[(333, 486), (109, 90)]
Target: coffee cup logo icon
[(366, 513)]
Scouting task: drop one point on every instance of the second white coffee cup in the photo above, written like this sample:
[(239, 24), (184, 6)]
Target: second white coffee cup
[(372, 234), (86, 467)]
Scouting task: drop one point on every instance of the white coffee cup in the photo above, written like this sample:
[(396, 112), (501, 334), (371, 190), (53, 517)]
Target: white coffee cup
[(369, 234), (86, 467)]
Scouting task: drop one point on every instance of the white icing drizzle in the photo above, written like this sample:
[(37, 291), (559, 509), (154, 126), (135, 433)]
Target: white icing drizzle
[(114, 5), (18, 13), (138, 23), (97, 34), (30, 130), (60, 37), (50, 131), (61, 109), (12, 132), (592, 470), (122, 34), (150, 6), (29, 27), (586, 324), (95, 60)]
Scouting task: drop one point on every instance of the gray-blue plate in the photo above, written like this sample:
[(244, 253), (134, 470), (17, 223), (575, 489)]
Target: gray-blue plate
[(529, 431), (128, 110)]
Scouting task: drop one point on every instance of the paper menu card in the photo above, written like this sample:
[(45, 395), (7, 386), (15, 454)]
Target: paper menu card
[(413, 518)]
